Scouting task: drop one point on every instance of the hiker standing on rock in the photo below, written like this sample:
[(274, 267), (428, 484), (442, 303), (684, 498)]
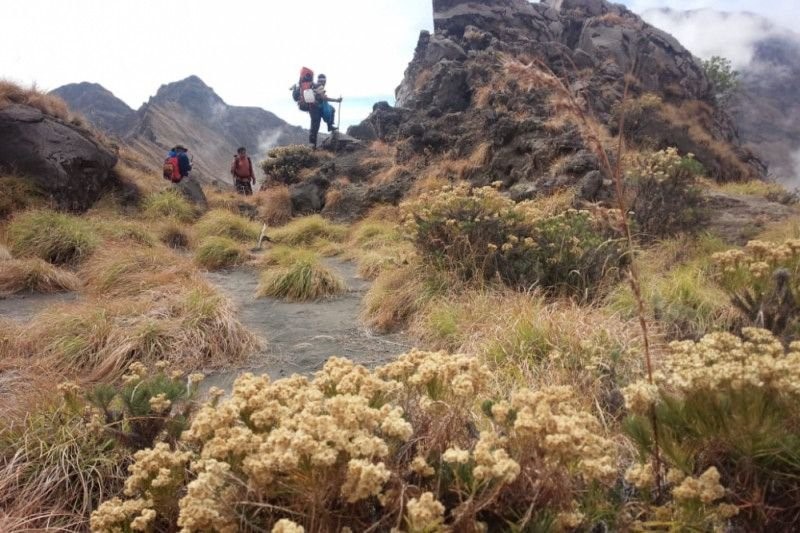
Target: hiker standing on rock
[(327, 111), (242, 172)]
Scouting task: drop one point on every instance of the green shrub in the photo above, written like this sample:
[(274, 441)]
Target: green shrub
[(222, 223), (307, 230), (215, 253), (480, 235), (169, 204), (55, 237), (666, 198), (302, 280), (285, 163), (763, 282), (726, 411)]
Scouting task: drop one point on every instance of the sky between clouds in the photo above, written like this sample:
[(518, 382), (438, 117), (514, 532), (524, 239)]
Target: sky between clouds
[(250, 52)]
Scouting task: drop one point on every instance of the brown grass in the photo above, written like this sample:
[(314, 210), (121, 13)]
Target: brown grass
[(35, 275), (5, 255), (274, 205), (11, 93)]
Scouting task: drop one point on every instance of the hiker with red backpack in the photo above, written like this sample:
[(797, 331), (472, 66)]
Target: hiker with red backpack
[(177, 164), (310, 98), (242, 172)]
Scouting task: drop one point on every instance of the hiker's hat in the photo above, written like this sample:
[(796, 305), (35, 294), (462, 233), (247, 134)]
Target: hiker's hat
[(181, 147)]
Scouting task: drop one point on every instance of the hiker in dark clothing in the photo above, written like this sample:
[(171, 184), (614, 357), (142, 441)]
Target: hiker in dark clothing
[(184, 164), (242, 172)]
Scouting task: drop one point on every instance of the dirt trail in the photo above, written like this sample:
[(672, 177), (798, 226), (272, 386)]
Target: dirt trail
[(22, 307), (300, 337)]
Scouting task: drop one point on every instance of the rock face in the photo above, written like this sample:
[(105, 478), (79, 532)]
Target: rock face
[(767, 110), (188, 112), (479, 91), (99, 105), (65, 162)]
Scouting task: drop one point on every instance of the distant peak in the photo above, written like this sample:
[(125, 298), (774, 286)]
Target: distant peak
[(188, 90)]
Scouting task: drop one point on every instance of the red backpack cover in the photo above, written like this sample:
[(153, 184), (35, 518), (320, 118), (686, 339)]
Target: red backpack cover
[(172, 170)]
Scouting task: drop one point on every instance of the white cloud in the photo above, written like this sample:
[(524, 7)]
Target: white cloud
[(249, 52)]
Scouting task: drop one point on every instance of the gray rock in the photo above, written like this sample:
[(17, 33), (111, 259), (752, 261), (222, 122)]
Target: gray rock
[(191, 189), (309, 196), (67, 163)]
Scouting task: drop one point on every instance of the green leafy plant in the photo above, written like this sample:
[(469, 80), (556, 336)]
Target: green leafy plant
[(284, 164)]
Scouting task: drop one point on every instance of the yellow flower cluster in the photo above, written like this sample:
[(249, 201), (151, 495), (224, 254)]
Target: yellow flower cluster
[(136, 372), (758, 259), (640, 396), (724, 361), (160, 403), (705, 488), (343, 435), (287, 526), (425, 512), (551, 419), (660, 164), (640, 476), (118, 516)]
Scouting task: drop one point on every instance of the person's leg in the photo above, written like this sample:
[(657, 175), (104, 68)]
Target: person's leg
[(316, 117), (327, 114), (239, 187), (248, 189)]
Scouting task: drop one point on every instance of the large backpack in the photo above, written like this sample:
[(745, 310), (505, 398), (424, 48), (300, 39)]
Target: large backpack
[(172, 170), (303, 93)]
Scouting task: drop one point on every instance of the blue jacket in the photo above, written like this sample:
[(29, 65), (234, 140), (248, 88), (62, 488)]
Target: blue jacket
[(184, 166)]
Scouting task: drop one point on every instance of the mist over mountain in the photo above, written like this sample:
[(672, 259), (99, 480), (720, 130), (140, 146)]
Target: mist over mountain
[(768, 58), (186, 112)]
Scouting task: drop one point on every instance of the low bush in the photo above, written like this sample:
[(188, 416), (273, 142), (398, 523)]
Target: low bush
[(307, 230), (406, 444), (284, 164), (666, 198), (168, 204), (728, 431), (481, 235), (55, 237), (216, 253), (221, 223), (35, 275), (305, 278)]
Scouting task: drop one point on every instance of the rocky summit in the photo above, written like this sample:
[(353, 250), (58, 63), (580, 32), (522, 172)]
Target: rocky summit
[(480, 88)]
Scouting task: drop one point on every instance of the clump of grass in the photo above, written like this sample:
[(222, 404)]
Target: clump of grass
[(282, 255), (49, 104), (215, 253), (175, 235), (168, 204), (16, 195), (194, 327), (372, 233), (222, 223), (55, 237), (306, 230), (124, 271), (275, 205), (398, 294), (119, 230), (55, 469), (771, 191), (34, 275), (304, 279)]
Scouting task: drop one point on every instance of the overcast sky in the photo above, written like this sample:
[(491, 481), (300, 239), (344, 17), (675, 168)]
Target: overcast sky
[(250, 52)]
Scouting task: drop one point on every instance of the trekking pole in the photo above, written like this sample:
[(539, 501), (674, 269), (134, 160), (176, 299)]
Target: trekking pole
[(339, 114)]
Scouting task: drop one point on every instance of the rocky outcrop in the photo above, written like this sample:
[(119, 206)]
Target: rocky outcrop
[(67, 163), (477, 92)]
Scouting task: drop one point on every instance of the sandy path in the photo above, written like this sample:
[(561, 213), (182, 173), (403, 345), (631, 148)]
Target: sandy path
[(300, 337), (23, 307)]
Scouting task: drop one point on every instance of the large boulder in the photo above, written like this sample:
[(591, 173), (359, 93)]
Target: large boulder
[(65, 162)]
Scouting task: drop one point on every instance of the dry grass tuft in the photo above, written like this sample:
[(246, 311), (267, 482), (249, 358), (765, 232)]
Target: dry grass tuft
[(301, 279), (306, 230), (118, 271), (274, 205), (169, 204), (222, 223), (175, 235), (5, 255), (17, 195), (34, 275), (55, 237), (11, 93), (217, 253)]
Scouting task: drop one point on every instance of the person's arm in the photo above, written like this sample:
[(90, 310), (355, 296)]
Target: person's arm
[(233, 168), (252, 174)]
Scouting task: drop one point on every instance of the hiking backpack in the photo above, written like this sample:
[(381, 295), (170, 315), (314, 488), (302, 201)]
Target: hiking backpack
[(303, 93), (172, 170)]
